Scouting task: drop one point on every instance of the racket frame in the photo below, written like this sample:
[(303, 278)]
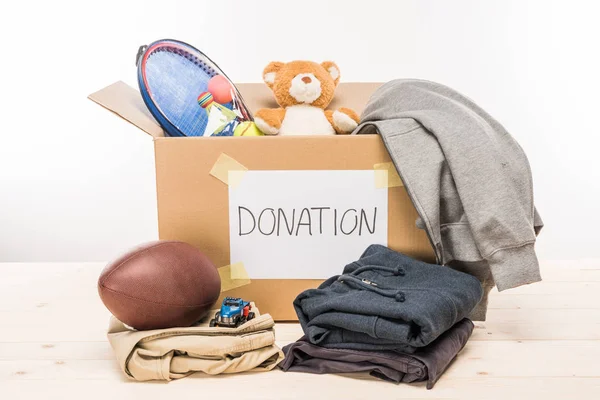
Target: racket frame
[(144, 53)]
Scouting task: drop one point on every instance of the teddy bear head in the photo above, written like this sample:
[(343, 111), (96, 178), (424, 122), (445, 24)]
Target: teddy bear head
[(302, 82)]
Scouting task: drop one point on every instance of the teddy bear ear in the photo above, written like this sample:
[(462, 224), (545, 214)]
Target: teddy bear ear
[(270, 72), (333, 70)]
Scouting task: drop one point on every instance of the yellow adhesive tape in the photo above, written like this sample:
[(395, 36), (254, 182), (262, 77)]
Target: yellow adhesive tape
[(381, 178), (233, 276), (223, 166), (235, 177), (386, 176), (238, 271)]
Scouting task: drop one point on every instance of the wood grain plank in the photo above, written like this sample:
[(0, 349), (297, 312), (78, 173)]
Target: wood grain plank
[(56, 326), (24, 351), (497, 331), (540, 341), (544, 301), (72, 292), (278, 385), (93, 360), (18, 273)]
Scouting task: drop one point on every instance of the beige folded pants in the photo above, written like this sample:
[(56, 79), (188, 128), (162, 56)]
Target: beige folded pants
[(167, 354)]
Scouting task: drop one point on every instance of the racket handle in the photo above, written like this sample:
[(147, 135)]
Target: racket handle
[(140, 52)]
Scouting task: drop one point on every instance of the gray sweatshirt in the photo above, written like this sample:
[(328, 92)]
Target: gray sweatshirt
[(386, 301), (425, 364), (467, 177)]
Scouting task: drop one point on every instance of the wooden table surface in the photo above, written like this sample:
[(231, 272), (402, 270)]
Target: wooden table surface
[(540, 342)]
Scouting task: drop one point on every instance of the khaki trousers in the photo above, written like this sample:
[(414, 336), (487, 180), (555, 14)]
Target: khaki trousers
[(166, 354)]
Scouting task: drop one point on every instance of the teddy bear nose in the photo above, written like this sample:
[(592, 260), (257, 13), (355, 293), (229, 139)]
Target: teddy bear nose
[(306, 79)]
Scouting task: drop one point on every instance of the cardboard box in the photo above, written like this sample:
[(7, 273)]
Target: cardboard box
[(193, 205)]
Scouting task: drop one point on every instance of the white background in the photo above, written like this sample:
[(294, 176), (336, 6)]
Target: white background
[(77, 183), (316, 251)]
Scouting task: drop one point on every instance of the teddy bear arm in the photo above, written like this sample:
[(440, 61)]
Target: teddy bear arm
[(269, 120), (344, 120)]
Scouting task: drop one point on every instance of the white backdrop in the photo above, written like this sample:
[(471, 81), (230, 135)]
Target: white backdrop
[(77, 183)]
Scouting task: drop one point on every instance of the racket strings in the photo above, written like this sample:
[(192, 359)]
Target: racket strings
[(175, 83), (207, 68), (174, 78)]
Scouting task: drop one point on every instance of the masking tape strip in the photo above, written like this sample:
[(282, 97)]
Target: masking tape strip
[(233, 276), (238, 271), (235, 177), (386, 176), (223, 166)]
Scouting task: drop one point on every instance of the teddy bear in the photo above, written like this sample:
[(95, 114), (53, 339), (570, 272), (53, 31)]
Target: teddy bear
[(303, 89)]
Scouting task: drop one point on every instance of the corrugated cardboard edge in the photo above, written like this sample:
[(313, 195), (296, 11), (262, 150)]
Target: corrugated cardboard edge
[(128, 104)]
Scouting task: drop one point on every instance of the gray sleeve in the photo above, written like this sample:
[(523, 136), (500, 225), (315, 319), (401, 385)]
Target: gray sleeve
[(489, 169)]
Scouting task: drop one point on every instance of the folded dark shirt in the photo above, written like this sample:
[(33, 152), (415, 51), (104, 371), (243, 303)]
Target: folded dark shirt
[(386, 301), (425, 364)]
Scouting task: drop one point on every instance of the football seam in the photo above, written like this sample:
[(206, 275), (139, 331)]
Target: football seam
[(131, 257), (155, 302)]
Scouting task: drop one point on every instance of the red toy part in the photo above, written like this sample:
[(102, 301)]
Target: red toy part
[(221, 89), (246, 310)]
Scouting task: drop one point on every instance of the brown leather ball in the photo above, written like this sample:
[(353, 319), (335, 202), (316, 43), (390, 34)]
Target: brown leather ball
[(162, 284)]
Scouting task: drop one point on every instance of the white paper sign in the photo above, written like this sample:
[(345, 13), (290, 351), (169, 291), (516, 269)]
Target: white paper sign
[(304, 224)]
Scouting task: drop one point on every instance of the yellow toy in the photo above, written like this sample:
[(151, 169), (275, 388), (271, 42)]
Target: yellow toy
[(303, 89), (247, 128)]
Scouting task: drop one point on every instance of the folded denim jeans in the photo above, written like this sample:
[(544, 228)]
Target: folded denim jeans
[(425, 364), (386, 301)]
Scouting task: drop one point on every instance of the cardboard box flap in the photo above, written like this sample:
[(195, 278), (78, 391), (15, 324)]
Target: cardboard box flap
[(352, 95), (127, 103)]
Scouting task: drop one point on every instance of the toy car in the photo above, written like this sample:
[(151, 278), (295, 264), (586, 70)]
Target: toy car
[(234, 312)]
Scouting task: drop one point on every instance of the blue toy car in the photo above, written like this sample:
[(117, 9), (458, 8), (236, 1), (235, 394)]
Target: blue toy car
[(234, 312)]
